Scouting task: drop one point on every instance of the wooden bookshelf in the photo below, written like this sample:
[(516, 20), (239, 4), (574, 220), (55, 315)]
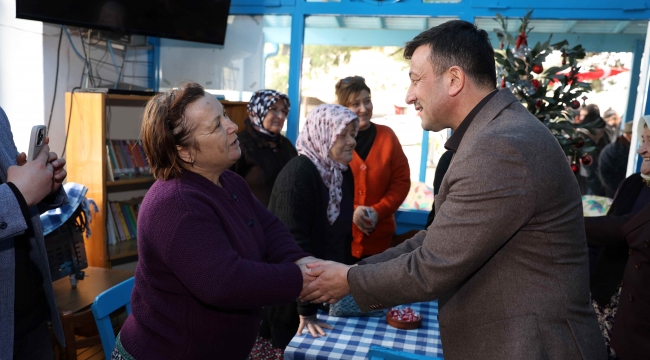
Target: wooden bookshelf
[(86, 158), (123, 249), (128, 97), (137, 183)]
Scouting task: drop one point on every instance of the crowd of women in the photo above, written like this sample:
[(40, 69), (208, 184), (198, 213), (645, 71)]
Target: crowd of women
[(227, 230)]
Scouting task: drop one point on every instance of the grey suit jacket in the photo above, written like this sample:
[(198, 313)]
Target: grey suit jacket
[(506, 255), (12, 223)]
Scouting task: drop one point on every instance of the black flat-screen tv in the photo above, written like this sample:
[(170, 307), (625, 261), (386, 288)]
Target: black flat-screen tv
[(192, 20)]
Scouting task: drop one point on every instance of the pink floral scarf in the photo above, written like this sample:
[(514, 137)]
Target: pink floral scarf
[(323, 125)]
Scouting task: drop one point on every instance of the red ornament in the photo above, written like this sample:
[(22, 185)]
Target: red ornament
[(503, 82), (537, 69), (575, 168), (579, 142), (521, 40), (586, 160), (539, 103), (575, 104), (563, 61), (535, 84)]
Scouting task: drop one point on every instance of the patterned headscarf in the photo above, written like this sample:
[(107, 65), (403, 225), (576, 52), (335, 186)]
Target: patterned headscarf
[(259, 105), (324, 124)]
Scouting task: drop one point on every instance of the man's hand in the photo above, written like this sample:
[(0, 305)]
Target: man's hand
[(331, 284), (21, 159), (34, 179), (59, 173), (362, 221), (314, 326), (57, 165)]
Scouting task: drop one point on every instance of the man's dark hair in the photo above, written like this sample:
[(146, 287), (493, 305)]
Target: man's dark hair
[(460, 43), (593, 113), (593, 109)]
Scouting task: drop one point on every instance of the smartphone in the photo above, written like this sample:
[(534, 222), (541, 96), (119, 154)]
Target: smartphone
[(36, 141)]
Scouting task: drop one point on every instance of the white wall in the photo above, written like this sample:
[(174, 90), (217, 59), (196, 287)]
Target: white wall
[(21, 72), (28, 56), (70, 70)]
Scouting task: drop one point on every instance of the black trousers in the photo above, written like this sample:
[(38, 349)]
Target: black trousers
[(36, 345)]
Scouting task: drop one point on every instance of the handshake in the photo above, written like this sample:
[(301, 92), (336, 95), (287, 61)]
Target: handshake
[(323, 281)]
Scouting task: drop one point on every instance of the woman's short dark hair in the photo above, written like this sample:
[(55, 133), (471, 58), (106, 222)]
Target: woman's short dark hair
[(165, 126), (458, 43), (349, 87)]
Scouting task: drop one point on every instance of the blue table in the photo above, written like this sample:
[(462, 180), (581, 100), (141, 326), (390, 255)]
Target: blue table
[(353, 336)]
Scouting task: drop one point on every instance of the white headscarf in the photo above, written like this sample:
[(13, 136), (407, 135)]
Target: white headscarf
[(323, 125)]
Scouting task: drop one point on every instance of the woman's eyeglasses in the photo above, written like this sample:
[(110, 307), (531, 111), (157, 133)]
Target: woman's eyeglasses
[(278, 112)]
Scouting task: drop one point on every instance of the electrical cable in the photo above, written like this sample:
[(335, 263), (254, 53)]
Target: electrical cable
[(99, 66), (72, 44), (91, 80), (67, 130), (85, 60), (56, 78), (119, 73)]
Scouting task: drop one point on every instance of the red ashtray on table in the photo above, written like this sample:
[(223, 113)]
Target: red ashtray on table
[(404, 318)]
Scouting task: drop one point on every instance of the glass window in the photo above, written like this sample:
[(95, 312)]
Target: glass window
[(243, 65)]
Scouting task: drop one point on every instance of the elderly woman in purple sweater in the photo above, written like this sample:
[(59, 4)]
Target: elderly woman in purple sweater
[(210, 255)]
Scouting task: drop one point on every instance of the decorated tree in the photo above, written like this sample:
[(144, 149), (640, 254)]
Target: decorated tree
[(549, 94)]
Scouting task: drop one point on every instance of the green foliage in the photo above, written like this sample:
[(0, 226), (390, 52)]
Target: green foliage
[(550, 93), (322, 57), (277, 70)]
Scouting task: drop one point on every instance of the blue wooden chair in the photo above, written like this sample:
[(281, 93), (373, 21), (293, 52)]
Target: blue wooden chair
[(106, 303), (383, 353)]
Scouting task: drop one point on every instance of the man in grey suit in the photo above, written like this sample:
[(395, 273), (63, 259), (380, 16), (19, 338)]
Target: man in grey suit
[(506, 256), (27, 297)]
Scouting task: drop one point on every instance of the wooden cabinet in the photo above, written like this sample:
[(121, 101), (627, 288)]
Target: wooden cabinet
[(93, 118)]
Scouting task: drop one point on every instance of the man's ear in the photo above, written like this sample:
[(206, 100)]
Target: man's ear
[(456, 80)]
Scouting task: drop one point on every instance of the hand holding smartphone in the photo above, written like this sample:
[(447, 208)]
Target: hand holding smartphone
[(36, 141)]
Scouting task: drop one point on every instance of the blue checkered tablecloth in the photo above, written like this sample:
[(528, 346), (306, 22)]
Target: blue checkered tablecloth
[(352, 337)]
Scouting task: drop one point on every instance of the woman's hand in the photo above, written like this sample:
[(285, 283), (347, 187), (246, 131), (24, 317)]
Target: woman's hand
[(362, 221), (314, 326)]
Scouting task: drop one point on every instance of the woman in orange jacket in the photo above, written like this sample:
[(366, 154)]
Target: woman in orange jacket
[(381, 173)]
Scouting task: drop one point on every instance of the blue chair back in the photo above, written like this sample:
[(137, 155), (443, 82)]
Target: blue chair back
[(106, 303), (383, 353)]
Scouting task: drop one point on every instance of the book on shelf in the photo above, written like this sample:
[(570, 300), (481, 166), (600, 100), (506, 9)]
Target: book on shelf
[(119, 221), (122, 220), (111, 231), (125, 159)]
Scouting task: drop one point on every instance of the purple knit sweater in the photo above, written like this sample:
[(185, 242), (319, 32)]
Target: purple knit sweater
[(209, 259)]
